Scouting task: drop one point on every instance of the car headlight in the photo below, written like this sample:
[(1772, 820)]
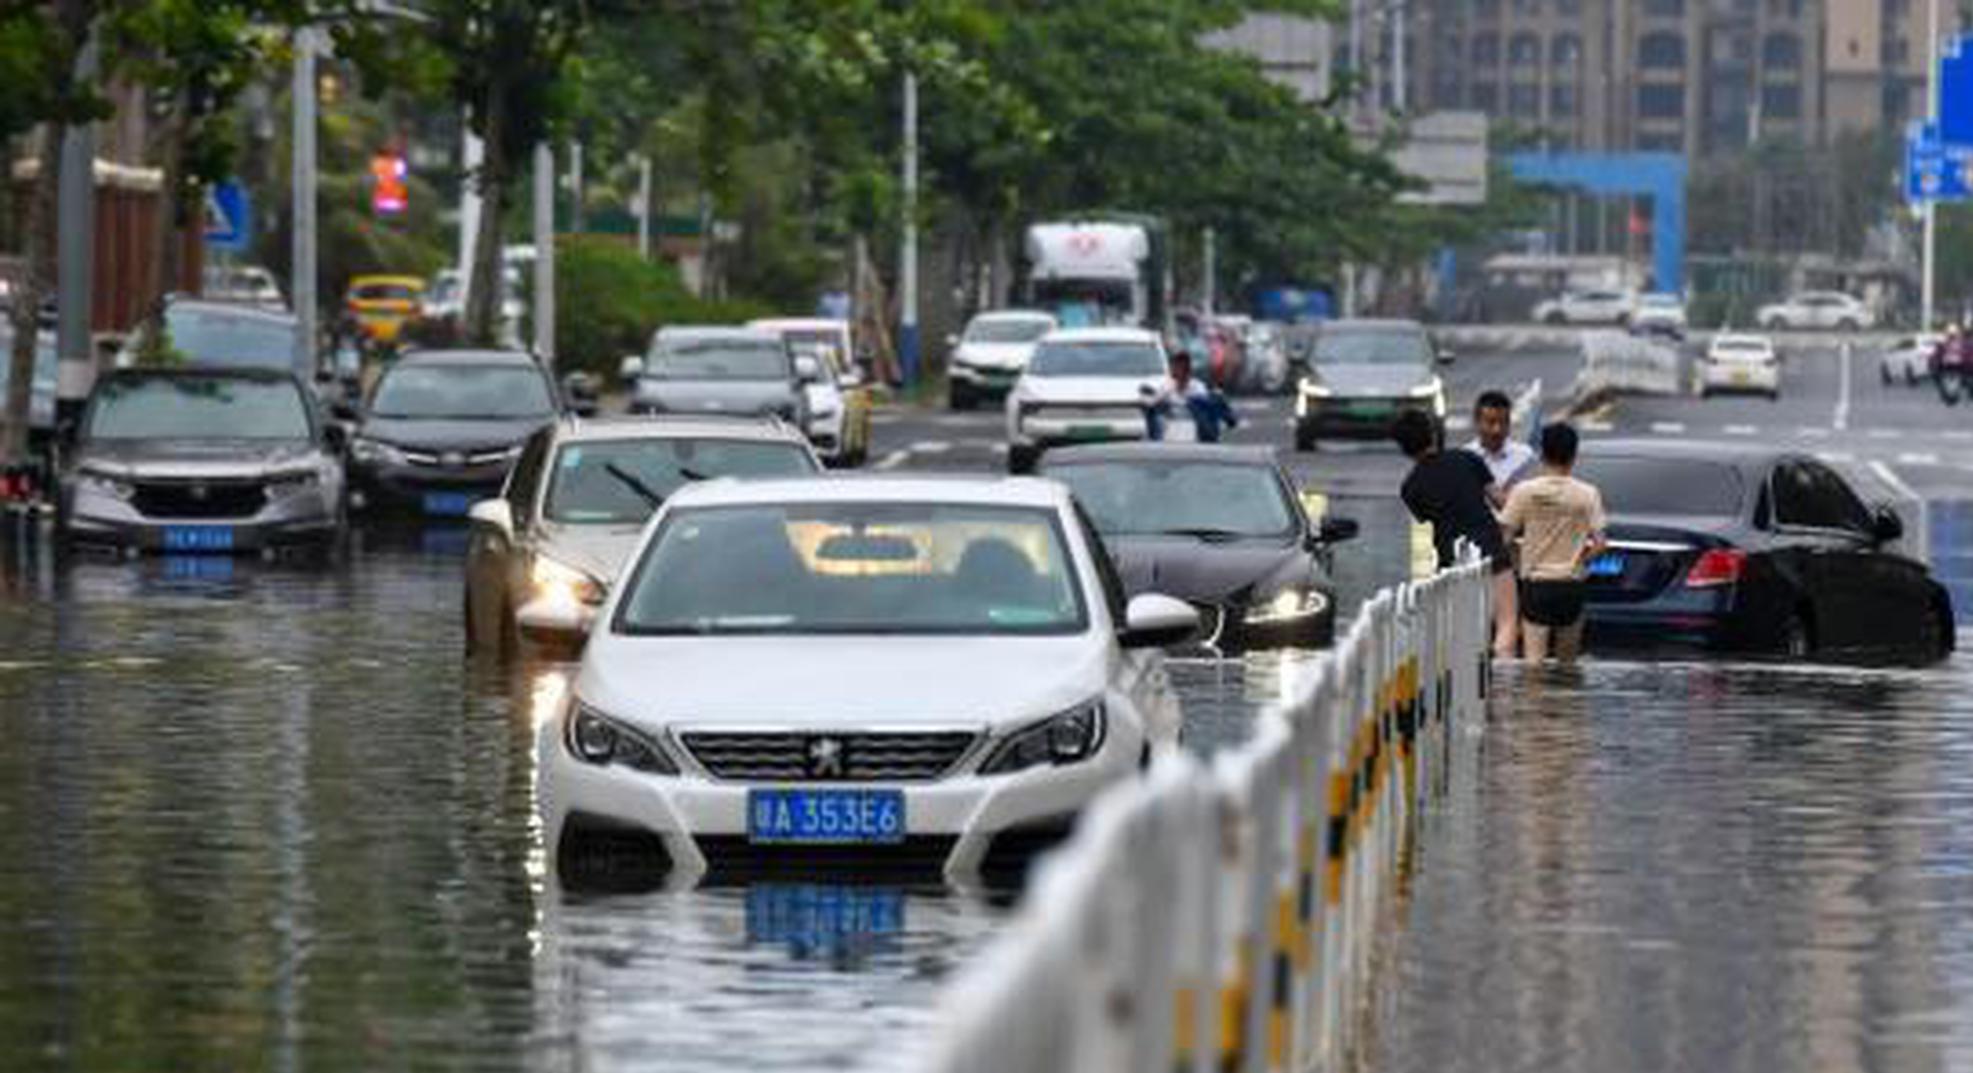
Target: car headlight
[(1316, 390), (1427, 390), (1289, 605), (293, 483), (595, 738), (104, 484), (374, 452), (561, 582), (1066, 738)]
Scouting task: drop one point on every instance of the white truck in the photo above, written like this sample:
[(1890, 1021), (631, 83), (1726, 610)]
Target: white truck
[(1099, 271)]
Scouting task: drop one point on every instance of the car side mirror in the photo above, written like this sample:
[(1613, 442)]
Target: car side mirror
[(335, 437), (494, 514), (1886, 526), (1337, 530), (1155, 621), (1445, 355), (344, 410), (807, 369), (631, 367)]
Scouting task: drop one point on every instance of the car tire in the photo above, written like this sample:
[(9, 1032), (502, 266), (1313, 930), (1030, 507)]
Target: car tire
[(1848, 325), (1021, 458), (1910, 377), (958, 399), (1555, 319), (1884, 374), (1305, 439), (1775, 324), (1934, 638)]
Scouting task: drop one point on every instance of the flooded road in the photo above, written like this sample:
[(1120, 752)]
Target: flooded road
[(1698, 867)]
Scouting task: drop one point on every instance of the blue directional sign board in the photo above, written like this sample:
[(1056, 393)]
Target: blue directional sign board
[(1934, 171), (1956, 93), (229, 218)]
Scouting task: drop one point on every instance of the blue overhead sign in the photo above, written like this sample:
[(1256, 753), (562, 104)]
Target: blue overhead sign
[(229, 218), (1934, 171), (1956, 93)]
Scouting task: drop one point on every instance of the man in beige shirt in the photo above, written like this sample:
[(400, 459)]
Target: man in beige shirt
[(1558, 522)]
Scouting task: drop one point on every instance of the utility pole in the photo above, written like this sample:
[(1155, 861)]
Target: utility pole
[(575, 187), (1929, 288), (907, 335), (75, 266), (302, 194), (472, 152), (1210, 290), (1400, 91), (644, 207), (544, 254)]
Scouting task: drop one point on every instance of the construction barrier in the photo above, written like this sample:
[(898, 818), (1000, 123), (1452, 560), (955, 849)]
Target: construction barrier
[(1221, 917), (1627, 365)]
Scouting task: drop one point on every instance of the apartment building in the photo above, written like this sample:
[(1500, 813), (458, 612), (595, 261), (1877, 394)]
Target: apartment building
[(1692, 76)]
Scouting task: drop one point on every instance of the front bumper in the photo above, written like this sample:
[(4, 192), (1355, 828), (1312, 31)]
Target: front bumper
[(1040, 428), (984, 381), (697, 818), (1359, 416), (311, 518), (1739, 376), (426, 490)]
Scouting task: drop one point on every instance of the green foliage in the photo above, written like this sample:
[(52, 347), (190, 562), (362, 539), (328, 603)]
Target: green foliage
[(609, 301)]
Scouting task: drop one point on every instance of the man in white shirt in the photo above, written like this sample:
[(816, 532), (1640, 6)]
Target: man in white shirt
[(1508, 460)]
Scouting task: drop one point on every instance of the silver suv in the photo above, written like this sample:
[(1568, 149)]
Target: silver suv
[(542, 555)]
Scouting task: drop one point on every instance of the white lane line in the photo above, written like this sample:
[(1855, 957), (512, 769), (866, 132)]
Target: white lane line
[(1458, 423), (1885, 433), (1813, 432), (930, 447), (1917, 539), (893, 460), (1741, 430), (1836, 458), (1917, 458), (1593, 425), (1668, 428), (1841, 421), (1959, 437), (1253, 406)]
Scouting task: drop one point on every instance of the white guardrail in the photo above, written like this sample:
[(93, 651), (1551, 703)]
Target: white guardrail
[(1221, 917)]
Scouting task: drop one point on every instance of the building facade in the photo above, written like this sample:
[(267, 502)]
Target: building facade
[(1697, 77)]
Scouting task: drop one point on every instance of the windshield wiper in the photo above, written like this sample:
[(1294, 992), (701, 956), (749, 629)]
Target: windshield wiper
[(634, 483), (1208, 534)]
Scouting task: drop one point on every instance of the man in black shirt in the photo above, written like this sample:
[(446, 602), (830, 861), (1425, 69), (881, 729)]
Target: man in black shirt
[(1452, 491)]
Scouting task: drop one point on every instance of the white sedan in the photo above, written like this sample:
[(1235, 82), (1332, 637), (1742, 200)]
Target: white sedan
[(1588, 307), (1740, 363), (1083, 385), (910, 668), (1909, 359), (1815, 310)]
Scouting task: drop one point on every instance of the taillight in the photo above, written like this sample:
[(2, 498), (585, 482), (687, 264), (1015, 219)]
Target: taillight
[(1718, 566)]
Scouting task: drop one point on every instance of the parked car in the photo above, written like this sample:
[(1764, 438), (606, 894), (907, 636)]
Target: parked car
[(839, 397), (41, 386), (1659, 314), (1218, 527), (201, 461), (243, 285), (733, 371), (445, 298), (544, 553), (1742, 363), (955, 674), (441, 428), (1363, 374), (1605, 306), (1746, 548), (381, 305), (1268, 369), (990, 355), (1909, 358), (215, 335), (1083, 385), (1816, 309)]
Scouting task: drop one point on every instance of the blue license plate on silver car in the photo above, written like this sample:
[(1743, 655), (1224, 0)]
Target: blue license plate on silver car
[(825, 817), (198, 538), (1607, 565), (448, 504)]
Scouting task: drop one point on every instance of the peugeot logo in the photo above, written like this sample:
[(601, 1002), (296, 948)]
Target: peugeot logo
[(825, 758), (201, 493), (452, 458)]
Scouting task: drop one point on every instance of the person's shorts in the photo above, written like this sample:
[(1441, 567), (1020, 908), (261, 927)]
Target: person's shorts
[(1555, 604)]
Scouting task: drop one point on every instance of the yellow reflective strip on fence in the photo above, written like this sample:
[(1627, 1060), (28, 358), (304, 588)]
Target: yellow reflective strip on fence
[(1185, 1023), (1233, 1011)]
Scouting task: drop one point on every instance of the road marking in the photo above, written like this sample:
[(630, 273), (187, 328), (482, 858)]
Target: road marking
[(1668, 428), (1885, 433), (893, 460), (930, 447), (1841, 420), (1960, 437), (1813, 432), (1458, 423), (1836, 458), (1253, 406), (1917, 458), (1741, 430), (1595, 425)]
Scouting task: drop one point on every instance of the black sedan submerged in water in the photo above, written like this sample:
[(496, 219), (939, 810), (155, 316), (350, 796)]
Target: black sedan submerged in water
[(1219, 527), (1755, 550)]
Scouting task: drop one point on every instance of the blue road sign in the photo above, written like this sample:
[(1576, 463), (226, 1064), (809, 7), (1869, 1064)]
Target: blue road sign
[(1956, 93), (1933, 171), (229, 218)]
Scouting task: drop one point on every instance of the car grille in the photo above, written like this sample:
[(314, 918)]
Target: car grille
[(455, 459), (199, 499), (914, 756)]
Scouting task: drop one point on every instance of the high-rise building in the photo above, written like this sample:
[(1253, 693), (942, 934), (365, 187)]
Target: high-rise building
[(1692, 76)]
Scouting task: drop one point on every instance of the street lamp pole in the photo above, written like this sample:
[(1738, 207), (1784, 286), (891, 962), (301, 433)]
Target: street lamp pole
[(907, 336), (302, 243), (544, 254), (1929, 256)]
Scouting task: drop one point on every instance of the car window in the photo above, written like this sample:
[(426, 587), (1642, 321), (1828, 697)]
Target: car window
[(1150, 498), (199, 408), (1114, 594), (611, 482), (856, 568), (1007, 329), (1092, 358), (720, 359), (462, 392), (229, 340), (1372, 348), (1809, 494), (524, 480), (1664, 486), (1843, 503)]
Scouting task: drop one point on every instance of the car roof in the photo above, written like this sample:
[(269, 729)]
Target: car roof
[(1140, 451), (985, 491), (597, 429), (1014, 314), (238, 310), (677, 332), (783, 324), (1739, 455), (516, 358), (394, 280), (1101, 335)]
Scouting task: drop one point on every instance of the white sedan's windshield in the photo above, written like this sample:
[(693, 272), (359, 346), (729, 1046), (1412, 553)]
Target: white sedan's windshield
[(856, 568), (1142, 498), (1097, 359), (616, 482), (1008, 329), (720, 359)]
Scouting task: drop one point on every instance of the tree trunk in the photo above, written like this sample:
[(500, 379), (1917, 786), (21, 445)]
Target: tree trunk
[(166, 251), (486, 289), (36, 264)]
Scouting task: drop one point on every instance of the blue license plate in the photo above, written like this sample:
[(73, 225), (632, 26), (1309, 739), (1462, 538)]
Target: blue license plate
[(198, 538), (825, 817), (448, 504), (817, 919), (1610, 565)]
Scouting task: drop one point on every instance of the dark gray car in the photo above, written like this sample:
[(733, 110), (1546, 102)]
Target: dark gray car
[(202, 461), (1362, 374), (735, 372)]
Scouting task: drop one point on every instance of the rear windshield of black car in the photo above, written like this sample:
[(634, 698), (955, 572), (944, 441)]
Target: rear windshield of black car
[(1674, 486)]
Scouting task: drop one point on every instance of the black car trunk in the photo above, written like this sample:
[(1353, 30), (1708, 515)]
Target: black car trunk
[(1645, 559)]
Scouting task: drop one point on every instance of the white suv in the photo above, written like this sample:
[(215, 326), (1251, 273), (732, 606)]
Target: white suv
[(1817, 309), (908, 669), (1083, 385)]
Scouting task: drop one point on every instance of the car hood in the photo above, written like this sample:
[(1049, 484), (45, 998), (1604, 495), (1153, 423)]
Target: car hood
[(1202, 572), (1378, 381), (839, 682), (597, 550), (448, 434), (1087, 390), (194, 459), (716, 396), (995, 355)]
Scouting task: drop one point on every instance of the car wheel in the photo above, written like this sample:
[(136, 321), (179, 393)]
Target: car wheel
[(1555, 318), (958, 398), (1304, 438), (1847, 325), (1021, 458), (1884, 374), (1934, 638), (1910, 377), (1774, 324)]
